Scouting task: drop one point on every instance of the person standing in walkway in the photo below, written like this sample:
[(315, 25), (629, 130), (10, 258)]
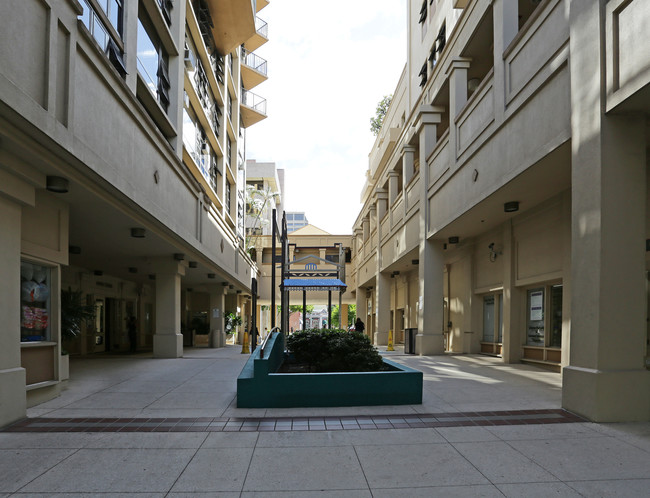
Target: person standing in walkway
[(359, 326)]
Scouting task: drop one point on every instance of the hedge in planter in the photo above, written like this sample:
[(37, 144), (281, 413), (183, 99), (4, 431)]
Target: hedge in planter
[(325, 350)]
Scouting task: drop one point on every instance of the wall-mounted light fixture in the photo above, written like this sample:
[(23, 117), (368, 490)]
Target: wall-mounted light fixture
[(193, 264), (138, 233), (212, 275), (179, 256), (74, 249), (57, 184), (511, 207), (415, 262), (98, 273), (454, 239)]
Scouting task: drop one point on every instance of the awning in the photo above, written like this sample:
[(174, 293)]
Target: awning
[(314, 284)]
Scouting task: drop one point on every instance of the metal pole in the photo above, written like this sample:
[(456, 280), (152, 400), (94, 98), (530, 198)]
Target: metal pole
[(304, 309), (254, 320), (274, 235), (329, 309)]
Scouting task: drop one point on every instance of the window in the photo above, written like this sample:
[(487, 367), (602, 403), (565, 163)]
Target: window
[(423, 12), (535, 317), (35, 287), (228, 196), (105, 21), (333, 258), (493, 318), (544, 314), (423, 74), (166, 8), (228, 150), (152, 63)]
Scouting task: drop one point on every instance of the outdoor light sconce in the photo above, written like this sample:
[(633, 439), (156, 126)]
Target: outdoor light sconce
[(494, 252), (212, 275), (138, 233), (454, 240), (511, 207), (179, 256), (415, 262), (74, 250), (98, 273), (57, 184), (193, 264)]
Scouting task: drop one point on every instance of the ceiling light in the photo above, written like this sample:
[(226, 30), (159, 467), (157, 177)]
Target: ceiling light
[(56, 184), (138, 233), (511, 207)]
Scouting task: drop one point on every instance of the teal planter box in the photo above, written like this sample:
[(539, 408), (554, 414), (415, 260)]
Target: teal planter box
[(258, 386)]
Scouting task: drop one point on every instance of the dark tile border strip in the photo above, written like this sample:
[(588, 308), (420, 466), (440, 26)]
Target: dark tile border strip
[(275, 424)]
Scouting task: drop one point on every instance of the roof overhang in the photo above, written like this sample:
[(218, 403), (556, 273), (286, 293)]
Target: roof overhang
[(313, 284)]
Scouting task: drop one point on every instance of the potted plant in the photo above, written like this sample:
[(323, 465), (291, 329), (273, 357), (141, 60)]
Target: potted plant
[(73, 313)]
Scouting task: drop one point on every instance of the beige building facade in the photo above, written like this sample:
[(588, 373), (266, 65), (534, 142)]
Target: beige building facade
[(122, 175), (505, 207)]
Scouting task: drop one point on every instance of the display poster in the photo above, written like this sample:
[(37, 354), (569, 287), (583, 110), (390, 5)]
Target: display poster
[(536, 306)]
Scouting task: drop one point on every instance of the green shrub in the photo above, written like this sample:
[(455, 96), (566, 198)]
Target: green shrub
[(334, 351)]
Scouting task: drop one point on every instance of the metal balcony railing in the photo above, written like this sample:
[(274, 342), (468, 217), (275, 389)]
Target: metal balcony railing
[(254, 61), (261, 27), (249, 99)]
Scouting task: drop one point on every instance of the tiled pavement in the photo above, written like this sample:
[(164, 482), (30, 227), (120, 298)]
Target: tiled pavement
[(134, 426), (238, 424)]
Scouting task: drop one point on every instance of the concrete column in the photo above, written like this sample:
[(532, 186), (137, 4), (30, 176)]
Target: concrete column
[(131, 44), (457, 99), (366, 227), (361, 303), (168, 340), (408, 164), (393, 186), (512, 301), (382, 204), (606, 379), (217, 311), (506, 25), (12, 376), (383, 309), (343, 314), (177, 75), (429, 339)]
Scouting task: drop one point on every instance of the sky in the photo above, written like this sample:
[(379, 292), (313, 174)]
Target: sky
[(329, 64)]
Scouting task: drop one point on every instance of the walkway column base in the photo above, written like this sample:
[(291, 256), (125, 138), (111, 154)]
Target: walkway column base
[(381, 338), (606, 396), (168, 346), (12, 394), (426, 344)]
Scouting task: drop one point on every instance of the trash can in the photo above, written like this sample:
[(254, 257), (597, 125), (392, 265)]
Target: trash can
[(409, 340)]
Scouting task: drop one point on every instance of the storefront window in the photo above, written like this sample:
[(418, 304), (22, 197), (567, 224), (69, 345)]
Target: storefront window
[(35, 285), (556, 316), (488, 319), (535, 317)]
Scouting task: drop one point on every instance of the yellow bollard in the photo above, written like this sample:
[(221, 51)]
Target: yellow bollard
[(390, 341), (244, 345)]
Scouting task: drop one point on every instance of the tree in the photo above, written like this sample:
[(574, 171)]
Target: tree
[(380, 113), (293, 308)]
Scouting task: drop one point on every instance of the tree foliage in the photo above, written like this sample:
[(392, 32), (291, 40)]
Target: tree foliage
[(380, 113)]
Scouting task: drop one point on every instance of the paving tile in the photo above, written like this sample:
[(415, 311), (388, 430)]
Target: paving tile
[(19, 466), (592, 458), (501, 464), (416, 465), (302, 469), (619, 487), (215, 469), (117, 470), (543, 490), (345, 493), (470, 491)]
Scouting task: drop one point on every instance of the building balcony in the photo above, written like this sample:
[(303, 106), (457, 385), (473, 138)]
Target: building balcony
[(253, 69), (260, 37), (253, 108), (233, 22)]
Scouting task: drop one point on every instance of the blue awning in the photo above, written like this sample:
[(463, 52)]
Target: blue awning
[(314, 284)]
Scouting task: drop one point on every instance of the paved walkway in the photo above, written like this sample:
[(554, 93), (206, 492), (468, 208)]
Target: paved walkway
[(132, 425)]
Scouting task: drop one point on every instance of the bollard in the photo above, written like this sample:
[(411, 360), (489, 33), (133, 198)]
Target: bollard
[(390, 341), (244, 345)]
